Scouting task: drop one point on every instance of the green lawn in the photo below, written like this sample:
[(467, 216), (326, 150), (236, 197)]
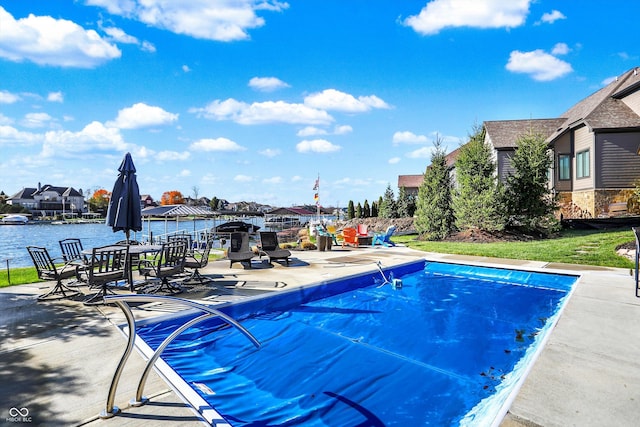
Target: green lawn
[(589, 247)]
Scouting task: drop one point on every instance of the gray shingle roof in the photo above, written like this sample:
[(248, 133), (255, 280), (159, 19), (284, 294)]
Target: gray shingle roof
[(604, 109), (505, 133)]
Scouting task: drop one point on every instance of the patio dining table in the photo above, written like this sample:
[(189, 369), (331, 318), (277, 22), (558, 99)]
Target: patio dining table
[(134, 251)]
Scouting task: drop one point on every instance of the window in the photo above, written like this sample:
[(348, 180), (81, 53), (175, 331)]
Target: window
[(564, 167), (582, 164)]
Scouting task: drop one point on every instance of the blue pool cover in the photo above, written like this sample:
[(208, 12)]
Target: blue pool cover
[(356, 352)]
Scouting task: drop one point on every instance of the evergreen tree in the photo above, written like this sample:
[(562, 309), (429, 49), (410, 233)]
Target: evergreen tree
[(477, 199), (351, 213), (359, 210), (214, 203), (374, 209), (529, 201), (406, 204), (388, 208), (434, 211), (366, 210)]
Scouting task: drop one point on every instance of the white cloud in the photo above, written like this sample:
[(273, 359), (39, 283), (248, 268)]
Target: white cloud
[(218, 144), (203, 19), (538, 64), (94, 136), (421, 153), (48, 41), (185, 172), (263, 112), (553, 16), (164, 156), (394, 160), (311, 131), (4, 120), (317, 146), (273, 180), (36, 120), (242, 178), (267, 84), (142, 115), (332, 99), (55, 97), (118, 35), (342, 130), (186, 68), (271, 152), (406, 137), (440, 14), (8, 97), (560, 49), (11, 135), (148, 46)]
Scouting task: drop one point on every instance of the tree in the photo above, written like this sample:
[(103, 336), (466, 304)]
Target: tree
[(195, 190), (434, 212), (374, 209), (214, 203), (351, 213), (366, 210), (388, 208), (529, 201), (359, 211), (173, 197), (406, 203), (99, 200), (477, 203)]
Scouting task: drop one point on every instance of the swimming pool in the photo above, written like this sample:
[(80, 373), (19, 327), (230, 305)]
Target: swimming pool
[(447, 347)]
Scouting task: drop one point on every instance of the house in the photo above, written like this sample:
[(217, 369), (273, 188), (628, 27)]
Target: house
[(49, 200), (146, 200), (595, 147), (412, 183)]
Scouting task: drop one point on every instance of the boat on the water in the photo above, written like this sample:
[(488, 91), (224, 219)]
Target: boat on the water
[(233, 226), (14, 219)]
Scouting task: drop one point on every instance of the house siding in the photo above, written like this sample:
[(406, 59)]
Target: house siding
[(633, 102), (563, 146), (503, 160), (619, 161), (583, 140)]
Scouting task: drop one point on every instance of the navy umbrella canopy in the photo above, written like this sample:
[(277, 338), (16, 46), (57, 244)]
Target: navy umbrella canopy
[(124, 213)]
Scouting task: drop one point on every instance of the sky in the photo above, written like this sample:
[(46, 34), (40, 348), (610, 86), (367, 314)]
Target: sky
[(254, 100)]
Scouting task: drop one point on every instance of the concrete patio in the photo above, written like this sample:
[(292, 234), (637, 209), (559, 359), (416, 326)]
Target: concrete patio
[(58, 358)]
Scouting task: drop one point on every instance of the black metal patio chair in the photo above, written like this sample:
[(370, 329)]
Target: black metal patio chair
[(48, 270), (168, 263), (107, 267), (196, 260)]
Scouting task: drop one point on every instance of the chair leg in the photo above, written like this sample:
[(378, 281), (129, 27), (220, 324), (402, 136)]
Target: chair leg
[(59, 291), (96, 299)]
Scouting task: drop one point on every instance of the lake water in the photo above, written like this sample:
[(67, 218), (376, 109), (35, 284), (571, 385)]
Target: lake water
[(15, 238)]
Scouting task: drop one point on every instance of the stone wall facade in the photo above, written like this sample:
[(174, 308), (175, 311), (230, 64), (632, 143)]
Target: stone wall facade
[(593, 203)]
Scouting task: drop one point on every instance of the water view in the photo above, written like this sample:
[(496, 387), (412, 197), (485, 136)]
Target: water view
[(15, 238)]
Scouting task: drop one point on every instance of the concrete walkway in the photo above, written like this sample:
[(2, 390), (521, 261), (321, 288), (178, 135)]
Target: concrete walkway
[(57, 358)]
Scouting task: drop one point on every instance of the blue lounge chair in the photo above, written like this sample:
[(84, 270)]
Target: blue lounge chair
[(384, 238)]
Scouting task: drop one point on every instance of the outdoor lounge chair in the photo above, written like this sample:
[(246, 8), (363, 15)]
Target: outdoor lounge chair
[(239, 250), (199, 258), (269, 244), (47, 270), (350, 237), (362, 230), (108, 265), (384, 238), (166, 264)]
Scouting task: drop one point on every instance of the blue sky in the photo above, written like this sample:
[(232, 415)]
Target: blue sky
[(251, 100)]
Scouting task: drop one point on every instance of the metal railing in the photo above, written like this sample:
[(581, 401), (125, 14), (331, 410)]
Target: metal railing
[(121, 301)]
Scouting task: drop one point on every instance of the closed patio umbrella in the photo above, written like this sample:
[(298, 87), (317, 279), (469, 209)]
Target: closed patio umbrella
[(124, 213)]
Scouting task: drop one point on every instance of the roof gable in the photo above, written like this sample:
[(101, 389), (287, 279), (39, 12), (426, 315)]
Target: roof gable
[(504, 134)]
